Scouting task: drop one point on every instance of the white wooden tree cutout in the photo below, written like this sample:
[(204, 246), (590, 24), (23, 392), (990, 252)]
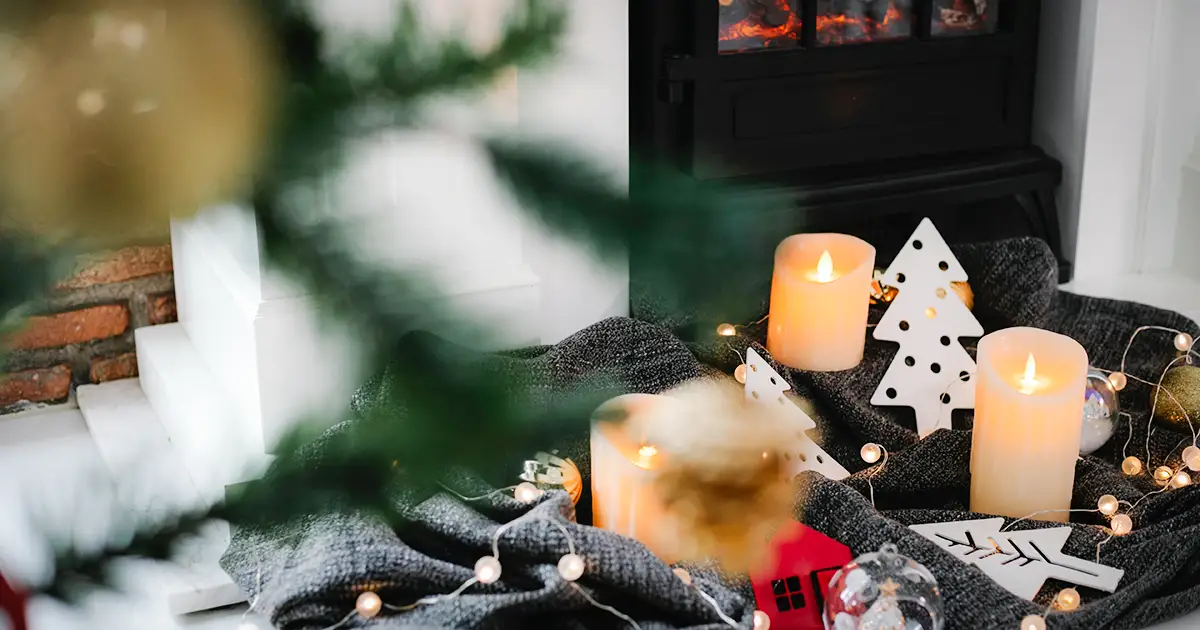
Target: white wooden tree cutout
[(932, 372), (766, 387), (1019, 561)]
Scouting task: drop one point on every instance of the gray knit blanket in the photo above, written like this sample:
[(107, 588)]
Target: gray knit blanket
[(308, 576)]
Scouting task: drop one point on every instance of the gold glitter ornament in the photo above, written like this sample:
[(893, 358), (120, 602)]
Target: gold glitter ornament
[(1183, 383), (128, 112), (964, 292)]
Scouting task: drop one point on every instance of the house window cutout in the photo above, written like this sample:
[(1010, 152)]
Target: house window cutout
[(788, 595)]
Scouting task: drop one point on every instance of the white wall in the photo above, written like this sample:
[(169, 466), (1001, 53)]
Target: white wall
[(1118, 104), (583, 99)]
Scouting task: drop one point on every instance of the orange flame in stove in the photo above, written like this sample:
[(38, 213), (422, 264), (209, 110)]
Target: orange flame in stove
[(830, 28), (747, 28)]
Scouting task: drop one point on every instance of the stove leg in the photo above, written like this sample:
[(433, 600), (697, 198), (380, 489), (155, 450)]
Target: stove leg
[(1041, 210)]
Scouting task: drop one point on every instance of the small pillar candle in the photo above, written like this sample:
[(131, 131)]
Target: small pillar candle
[(1029, 395), (623, 463), (820, 294)]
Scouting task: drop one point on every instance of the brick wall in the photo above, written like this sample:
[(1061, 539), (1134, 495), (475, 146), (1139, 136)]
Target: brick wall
[(86, 334)]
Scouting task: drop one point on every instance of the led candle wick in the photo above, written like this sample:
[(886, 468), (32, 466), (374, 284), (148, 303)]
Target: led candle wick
[(824, 271), (1030, 382)]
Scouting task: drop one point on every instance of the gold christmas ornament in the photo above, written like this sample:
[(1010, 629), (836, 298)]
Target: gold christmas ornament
[(964, 293), (1183, 383), (546, 471), (881, 293), (719, 477), (126, 112)]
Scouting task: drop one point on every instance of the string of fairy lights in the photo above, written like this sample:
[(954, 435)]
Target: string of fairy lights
[(1121, 522), (571, 568), (572, 565)]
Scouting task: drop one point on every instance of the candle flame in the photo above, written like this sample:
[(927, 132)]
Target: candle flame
[(1029, 382), (825, 268), (647, 451)]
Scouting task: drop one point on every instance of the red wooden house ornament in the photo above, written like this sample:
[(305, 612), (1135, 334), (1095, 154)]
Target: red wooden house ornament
[(791, 587)]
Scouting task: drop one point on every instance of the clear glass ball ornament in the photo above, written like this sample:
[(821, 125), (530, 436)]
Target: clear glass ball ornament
[(1100, 409), (881, 591)]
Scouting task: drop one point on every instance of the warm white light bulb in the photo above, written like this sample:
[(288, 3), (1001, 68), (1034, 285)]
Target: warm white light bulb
[(1067, 599), (1131, 466), (1191, 457), (1117, 380), (1163, 474), (368, 604), (740, 373), (1181, 479), (1183, 342), (570, 567), (487, 569), (526, 492), (871, 453), (1108, 505), (647, 450), (1121, 524), (726, 330), (1033, 622), (683, 575), (761, 620)]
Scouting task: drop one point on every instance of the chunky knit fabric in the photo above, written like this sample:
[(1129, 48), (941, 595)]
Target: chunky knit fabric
[(308, 577)]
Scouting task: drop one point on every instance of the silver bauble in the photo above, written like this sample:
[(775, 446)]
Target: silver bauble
[(1100, 412)]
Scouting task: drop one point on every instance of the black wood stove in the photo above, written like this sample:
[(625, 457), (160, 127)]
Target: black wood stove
[(863, 114)]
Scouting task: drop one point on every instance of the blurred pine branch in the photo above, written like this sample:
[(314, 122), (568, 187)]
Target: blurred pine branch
[(439, 408)]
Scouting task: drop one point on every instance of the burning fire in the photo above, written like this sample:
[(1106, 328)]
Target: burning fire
[(751, 27), (831, 29), (768, 23)]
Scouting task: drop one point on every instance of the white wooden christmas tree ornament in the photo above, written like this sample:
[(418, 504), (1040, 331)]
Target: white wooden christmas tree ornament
[(932, 372), (766, 387), (1019, 561)]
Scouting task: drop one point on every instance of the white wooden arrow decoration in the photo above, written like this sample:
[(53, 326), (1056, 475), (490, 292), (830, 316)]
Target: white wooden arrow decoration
[(931, 373), (1019, 561), (765, 386)]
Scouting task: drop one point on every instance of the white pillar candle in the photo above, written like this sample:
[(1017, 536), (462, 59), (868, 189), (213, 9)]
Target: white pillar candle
[(1029, 394), (820, 294), (623, 464)]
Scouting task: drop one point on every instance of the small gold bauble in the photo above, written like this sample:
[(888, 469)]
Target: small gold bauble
[(1183, 385), (572, 480), (965, 294)]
